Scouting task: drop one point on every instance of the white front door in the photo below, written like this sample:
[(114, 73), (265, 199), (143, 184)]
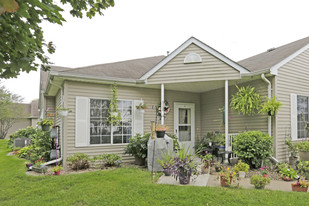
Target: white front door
[(184, 120)]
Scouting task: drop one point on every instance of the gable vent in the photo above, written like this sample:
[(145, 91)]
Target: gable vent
[(192, 58)]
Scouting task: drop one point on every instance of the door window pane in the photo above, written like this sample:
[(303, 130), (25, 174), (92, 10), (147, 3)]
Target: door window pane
[(184, 133), (184, 116)]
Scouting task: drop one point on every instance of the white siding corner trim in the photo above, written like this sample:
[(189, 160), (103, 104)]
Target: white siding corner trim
[(294, 116), (82, 122), (138, 119)]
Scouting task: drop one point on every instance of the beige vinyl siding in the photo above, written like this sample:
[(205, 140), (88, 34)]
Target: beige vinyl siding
[(49, 103), (293, 77), (212, 118), (151, 97), (211, 68)]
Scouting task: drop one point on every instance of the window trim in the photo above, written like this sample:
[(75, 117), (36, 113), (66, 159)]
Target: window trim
[(121, 144), (304, 138)]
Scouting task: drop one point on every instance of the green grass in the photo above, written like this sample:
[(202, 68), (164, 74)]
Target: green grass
[(123, 186)]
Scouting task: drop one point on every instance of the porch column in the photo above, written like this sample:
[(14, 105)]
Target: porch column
[(162, 104), (226, 107)]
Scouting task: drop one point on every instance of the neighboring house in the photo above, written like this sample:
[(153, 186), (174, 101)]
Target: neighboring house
[(32, 112), (195, 79)]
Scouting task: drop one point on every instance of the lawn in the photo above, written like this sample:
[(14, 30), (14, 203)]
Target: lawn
[(123, 186)]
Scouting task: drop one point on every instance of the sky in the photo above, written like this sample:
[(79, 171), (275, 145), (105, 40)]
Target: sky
[(143, 28)]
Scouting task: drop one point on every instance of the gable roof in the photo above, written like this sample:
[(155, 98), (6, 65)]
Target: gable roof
[(193, 40), (276, 57)]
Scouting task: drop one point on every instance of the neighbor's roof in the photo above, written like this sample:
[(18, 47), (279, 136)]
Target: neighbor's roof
[(270, 58)]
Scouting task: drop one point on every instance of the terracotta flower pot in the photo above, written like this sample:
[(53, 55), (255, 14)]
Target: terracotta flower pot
[(298, 188), (265, 175), (224, 181), (57, 173), (287, 179)]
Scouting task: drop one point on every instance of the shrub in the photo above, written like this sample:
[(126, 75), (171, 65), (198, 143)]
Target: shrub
[(252, 147), (79, 161), (138, 145), (302, 167), (25, 152), (22, 133), (241, 166), (288, 172), (111, 159)]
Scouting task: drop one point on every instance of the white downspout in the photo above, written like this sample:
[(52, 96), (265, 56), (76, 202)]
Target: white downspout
[(269, 97), (162, 104), (226, 108)]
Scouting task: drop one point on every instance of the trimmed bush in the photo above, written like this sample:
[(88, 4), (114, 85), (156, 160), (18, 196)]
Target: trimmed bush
[(252, 147), (138, 145), (79, 161)]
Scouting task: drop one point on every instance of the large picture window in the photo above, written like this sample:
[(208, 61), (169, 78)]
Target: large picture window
[(101, 132), (302, 114)]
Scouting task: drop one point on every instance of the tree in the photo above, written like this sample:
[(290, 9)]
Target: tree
[(10, 110), (22, 44)]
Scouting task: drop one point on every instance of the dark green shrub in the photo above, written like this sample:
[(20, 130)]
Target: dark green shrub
[(25, 152), (252, 147), (79, 161), (111, 160), (138, 145), (22, 133)]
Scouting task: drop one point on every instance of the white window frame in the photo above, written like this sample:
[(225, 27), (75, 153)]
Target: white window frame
[(110, 125)]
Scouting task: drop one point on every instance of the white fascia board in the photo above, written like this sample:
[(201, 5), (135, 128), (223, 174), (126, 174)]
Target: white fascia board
[(203, 46), (92, 77), (274, 69)]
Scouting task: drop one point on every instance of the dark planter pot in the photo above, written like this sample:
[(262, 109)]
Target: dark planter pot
[(292, 161), (160, 134), (184, 177), (46, 128), (298, 188), (218, 169), (139, 161), (29, 165), (167, 171)]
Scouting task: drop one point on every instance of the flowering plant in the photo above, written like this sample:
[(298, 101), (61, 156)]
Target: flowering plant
[(301, 183), (39, 162), (57, 168), (207, 159), (141, 106), (166, 108), (264, 170)]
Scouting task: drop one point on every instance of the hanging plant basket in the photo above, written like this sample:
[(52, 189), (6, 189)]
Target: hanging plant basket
[(166, 108)]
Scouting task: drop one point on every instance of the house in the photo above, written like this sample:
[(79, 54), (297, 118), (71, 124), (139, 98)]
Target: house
[(195, 79), (31, 110)]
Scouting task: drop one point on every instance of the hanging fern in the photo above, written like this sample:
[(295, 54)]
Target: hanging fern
[(271, 106), (114, 116), (246, 101)]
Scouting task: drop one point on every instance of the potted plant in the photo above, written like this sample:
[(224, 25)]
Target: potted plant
[(46, 124), (57, 169), (271, 106), (241, 168), (300, 186), (63, 112), (160, 130), (303, 150), (207, 161), (166, 161), (264, 171), (184, 166), (288, 174), (226, 176), (303, 168), (141, 107), (293, 152), (15, 150), (259, 181), (39, 166), (138, 148), (218, 166)]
